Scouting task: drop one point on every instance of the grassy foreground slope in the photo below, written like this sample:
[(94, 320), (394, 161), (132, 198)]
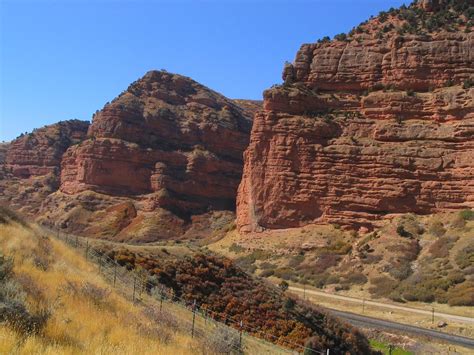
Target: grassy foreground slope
[(53, 301)]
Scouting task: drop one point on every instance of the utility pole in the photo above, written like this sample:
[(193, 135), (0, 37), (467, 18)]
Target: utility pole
[(363, 305), (432, 315)]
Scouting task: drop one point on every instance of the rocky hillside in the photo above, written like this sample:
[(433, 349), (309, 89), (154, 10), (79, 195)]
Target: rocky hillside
[(162, 156), (53, 300), (166, 135), (376, 122), (40, 152)]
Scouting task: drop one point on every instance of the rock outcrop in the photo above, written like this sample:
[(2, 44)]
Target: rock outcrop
[(161, 160), (40, 152), (167, 142), (373, 123)]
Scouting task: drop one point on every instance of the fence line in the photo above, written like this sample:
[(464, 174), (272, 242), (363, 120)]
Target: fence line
[(129, 280)]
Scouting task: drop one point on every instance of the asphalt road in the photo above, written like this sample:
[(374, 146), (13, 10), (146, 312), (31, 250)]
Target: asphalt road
[(369, 322), (445, 316)]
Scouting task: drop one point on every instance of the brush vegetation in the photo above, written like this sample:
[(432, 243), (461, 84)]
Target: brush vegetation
[(53, 301)]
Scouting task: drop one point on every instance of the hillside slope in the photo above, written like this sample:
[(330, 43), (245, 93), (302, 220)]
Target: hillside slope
[(52, 300)]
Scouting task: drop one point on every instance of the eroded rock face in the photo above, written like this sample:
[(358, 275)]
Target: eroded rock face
[(365, 127), (167, 138), (40, 152)]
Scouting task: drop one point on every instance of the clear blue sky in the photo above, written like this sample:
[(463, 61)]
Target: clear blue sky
[(64, 59)]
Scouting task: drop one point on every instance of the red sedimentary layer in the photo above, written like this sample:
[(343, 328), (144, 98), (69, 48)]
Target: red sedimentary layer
[(40, 152), (168, 137), (362, 128)]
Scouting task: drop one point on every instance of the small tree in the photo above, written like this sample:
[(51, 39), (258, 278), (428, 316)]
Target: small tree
[(340, 37), (283, 285)]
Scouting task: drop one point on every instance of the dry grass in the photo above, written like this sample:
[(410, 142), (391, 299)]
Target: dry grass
[(87, 316)]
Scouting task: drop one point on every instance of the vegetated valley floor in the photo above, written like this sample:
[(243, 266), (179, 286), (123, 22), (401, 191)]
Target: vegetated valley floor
[(423, 262)]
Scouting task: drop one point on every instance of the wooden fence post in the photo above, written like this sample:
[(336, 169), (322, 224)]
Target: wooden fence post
[(194, 318), (161, 298), (240, 336), (115, 273), (134, 285)]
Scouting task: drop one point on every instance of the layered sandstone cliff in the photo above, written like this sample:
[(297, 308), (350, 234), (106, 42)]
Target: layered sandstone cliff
[(40, 152), (173, 142), (374, 123)]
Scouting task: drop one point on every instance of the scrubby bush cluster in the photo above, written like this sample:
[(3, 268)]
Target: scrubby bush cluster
[(13, 308), (451, 16), (217, 285)]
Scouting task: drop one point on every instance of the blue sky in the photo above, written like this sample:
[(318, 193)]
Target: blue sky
[(65, 59)]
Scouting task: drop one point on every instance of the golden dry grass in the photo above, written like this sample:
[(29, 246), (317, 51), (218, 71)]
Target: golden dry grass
[(78, 324)]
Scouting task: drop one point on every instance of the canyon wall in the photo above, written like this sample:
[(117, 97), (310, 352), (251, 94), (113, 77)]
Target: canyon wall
[(373, 123)]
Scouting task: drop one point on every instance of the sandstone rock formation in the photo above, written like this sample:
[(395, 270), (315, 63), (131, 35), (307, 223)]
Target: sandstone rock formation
[(40, 152), (162, 160), (374, 123), (166, 137)]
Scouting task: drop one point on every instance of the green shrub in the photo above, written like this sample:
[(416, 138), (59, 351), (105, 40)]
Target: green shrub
[(461, 295), (467, 84), (458, 222), (337, 246), (340, 37), (456, 277), (295, 260), (441, 247), (246, 262), (355, 278), (383, 16), (260, 254), (13, 309), (283, 285), (401, 271), (235, 248), (396, 296), (284, 273), (465, 257), (320, 280), (333, 279), (411, 225), (324, 262), (402, 232), (437, 229), (381, 286), (467, 215), (419, 294), (325, 39), (266, 265), (267, 273)]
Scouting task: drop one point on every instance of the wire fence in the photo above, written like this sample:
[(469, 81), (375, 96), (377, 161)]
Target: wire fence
[(202, 322)]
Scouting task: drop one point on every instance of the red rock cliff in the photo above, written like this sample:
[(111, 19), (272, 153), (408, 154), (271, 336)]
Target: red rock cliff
[(40, 152), (166, 137), (376, 122)]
